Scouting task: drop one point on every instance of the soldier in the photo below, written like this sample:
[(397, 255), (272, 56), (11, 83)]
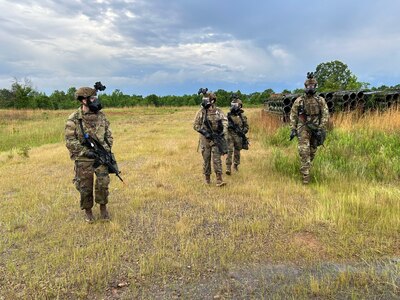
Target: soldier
[(210, 122), (308, 119), (88, 119), (237, 129)]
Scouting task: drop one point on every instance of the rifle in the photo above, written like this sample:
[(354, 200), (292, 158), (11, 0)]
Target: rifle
[(239, 132), (319, 137), (220, 141), (103, 157), (317, 133), (217, 138)]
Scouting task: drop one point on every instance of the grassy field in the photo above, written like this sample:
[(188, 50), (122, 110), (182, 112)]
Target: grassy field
[(263, 236)]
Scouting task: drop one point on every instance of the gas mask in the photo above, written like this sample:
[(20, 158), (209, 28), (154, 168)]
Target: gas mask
[(205, 102), (235, 107), (310, 89), (95, 105)]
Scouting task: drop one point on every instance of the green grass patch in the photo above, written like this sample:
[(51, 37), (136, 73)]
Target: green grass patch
[(365, 154)]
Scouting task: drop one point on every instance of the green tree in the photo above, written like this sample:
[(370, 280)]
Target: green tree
[(223, 98), (153, 100), (334, 76), (298, 91), (258, 98), (58, 98), (24, 94), (44, 102), (6, 98)]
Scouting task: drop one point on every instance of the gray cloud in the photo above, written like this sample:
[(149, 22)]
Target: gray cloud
[(163, 47)]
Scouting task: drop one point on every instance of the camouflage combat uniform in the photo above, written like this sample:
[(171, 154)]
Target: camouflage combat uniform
[(209, 150), (96, 125), (235, 142), (315, 114)]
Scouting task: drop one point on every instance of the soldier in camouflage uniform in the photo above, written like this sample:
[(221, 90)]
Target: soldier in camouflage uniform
[(210, 119), (93, 122), (237, 121), (308, 119)]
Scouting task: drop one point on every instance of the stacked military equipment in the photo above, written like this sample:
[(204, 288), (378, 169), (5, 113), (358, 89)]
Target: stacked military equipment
[(281, 104)]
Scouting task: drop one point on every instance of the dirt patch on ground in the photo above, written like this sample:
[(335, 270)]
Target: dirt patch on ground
[(309, 241)]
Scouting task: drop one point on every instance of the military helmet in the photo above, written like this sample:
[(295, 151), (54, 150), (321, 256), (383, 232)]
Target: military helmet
[(212, 96), (310, 80), (239, 101), (84, 92)]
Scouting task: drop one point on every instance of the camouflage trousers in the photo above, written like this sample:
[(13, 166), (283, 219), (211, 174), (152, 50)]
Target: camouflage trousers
[(307, 150), (210, 151), (84, 180), (234, 146)]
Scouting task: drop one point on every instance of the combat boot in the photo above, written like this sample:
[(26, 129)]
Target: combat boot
[(89, 215), (207, 179), (103, 212), (306, 178), (228, 170), (220, 182), (236, 167)]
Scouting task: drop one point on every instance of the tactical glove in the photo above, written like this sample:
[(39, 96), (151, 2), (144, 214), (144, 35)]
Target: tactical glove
[(293, 133), (90, 154)]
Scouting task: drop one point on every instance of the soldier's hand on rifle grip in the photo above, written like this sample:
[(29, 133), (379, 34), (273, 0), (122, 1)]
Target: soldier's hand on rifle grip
[(205, 133), (90, 154), (293, 133)]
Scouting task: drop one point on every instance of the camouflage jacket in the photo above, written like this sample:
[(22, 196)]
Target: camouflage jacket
[(310, 110), (96, 125), (215, 117), (240, 120)]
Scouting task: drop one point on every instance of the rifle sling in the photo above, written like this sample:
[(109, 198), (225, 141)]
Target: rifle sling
[(83, 131), (95, 138), (207, 122)]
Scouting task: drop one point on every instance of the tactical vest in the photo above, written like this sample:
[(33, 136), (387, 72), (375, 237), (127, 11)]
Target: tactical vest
[(237, 119), (95, 125), (311, 109), (213, 116)]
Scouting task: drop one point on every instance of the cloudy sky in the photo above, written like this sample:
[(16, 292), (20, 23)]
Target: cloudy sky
[(177, 46)]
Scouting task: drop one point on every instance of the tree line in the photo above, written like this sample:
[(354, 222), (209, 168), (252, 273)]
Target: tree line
[(24, 96), (331, 76)]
